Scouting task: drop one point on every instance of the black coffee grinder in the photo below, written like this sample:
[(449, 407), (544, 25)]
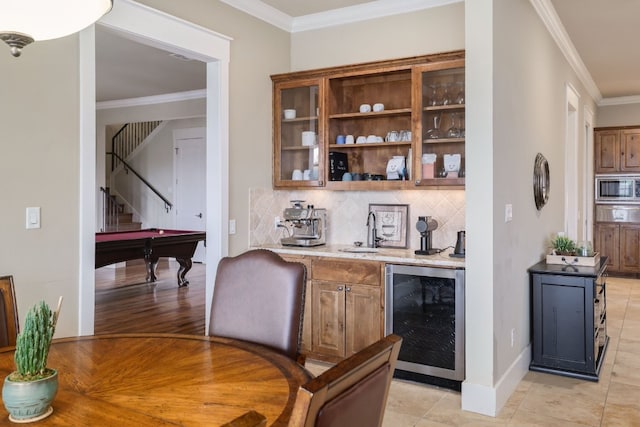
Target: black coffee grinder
[(425, 226)]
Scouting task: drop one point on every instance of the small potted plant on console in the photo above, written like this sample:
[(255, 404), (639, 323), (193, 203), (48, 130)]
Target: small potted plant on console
[(563, 245), (28, 391)]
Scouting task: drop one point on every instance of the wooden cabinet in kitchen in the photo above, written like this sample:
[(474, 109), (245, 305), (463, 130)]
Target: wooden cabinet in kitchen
[(347, 306), (305, 344), (441, 125), (607, 243), (569, 319), (403, 100), (617, 150), (297, 135)]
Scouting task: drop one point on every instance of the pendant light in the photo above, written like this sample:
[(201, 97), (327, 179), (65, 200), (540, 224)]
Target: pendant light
[(25, 21)]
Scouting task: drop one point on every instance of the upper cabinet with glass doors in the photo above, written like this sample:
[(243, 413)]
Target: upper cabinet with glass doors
[(440, 154), (370, 126), (298, 136)]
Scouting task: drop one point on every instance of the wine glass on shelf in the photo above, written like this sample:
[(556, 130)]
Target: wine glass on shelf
[(432, 99), (446, 94), (435, 132), (460, 96)]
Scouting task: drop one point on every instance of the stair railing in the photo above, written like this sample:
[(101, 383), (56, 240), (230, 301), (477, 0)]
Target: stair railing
[(127, 167), (110, 211), (128, 138)]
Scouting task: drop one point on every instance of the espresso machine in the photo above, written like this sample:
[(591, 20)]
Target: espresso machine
[(307, 226)]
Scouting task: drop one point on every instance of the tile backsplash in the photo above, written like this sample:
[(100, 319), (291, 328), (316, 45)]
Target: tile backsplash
[(347, 213)]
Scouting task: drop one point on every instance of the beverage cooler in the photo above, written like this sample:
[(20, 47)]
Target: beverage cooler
[(425, 306)]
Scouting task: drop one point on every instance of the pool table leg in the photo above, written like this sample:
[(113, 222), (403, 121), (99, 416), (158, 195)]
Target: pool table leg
[(185, 266), (152, 265)]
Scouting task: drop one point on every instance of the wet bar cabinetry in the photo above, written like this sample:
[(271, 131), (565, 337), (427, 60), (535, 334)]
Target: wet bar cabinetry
[(421, 112), (569, 319)]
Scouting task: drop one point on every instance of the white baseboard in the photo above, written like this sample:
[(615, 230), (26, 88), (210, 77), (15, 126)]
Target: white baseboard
[(490, 400)]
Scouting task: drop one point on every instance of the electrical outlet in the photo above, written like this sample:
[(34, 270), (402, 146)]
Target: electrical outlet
[(508, 212), (513, 337), (276, 222)]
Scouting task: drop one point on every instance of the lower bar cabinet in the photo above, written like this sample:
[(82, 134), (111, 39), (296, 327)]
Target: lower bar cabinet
[(569, 319)]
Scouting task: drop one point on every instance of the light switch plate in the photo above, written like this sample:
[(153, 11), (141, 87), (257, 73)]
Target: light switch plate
[(232, 226), (33, 218), (508, 212)]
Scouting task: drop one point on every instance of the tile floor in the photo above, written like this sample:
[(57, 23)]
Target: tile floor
[(545, 399)]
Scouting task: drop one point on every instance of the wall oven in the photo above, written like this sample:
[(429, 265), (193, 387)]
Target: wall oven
[(617, 189), (425, 306)]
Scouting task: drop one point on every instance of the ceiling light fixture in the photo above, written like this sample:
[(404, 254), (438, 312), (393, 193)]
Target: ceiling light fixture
[(25, 21)]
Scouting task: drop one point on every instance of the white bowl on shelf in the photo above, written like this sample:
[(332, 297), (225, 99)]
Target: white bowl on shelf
[(289, 114)]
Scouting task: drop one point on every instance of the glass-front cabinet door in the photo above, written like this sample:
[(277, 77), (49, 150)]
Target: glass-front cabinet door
[(440, 156), (298, 160)]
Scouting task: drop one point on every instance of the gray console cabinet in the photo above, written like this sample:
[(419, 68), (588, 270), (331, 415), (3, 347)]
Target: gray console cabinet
[(568, 313)]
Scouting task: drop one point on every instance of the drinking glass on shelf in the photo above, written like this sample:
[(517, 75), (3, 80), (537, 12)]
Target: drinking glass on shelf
[(460, 96), (435, 132), (462, 132)]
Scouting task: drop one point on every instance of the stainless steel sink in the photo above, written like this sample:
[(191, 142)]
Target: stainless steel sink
[(359, 250)]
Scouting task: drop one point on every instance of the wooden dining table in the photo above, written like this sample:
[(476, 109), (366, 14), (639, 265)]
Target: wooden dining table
[(165, 380)]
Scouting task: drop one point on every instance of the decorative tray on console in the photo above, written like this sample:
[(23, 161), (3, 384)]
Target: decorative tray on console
[(579, 261)]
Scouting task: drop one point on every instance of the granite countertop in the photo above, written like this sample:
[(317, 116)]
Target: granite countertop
[(389, 255)]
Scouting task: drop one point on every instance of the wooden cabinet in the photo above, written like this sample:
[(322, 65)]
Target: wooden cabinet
[(298, 137), (415, 94), (620, 243), (441, 128), (617, 150), (607, 243), (305, 344), (347, 307), (569, 319)]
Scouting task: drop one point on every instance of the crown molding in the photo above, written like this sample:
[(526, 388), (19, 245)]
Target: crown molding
[(363, 12), (620, 100), (264, 12), (550, 18), (330, 18), (151, 100)]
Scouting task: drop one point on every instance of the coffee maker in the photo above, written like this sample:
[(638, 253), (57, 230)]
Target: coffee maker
[(307, 225)]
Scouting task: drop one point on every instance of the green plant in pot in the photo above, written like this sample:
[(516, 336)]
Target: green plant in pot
[(563, 245), (28, 391)]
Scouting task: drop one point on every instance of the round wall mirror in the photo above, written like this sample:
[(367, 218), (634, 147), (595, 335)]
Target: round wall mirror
[(540, 181)]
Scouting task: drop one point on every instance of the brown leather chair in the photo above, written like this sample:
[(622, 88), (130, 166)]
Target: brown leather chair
[(9, 323), (259, 297), (353, 392)]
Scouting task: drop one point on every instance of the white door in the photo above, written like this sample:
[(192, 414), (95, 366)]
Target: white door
[(190, 172)]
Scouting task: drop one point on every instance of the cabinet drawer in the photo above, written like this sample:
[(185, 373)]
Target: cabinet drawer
[(347, 271)]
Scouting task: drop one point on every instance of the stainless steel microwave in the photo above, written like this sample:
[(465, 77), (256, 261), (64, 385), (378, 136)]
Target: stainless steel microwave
[(617, 189)]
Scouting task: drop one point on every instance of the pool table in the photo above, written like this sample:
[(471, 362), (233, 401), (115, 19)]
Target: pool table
[(149, 244)]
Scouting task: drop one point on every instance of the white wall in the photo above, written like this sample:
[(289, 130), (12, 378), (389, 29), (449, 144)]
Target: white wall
[(39, 134), (618, 115), (433, 30), (528, 75)]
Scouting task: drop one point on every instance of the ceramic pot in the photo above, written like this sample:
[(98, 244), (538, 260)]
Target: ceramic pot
[(29, 401)]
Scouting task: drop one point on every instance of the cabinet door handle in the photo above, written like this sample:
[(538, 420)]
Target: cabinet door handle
[(348, 289), (340, 288)]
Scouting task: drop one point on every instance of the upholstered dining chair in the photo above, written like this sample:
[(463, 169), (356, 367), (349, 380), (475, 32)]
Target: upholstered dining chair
[(9, 323), (353, 392), (259, 297)]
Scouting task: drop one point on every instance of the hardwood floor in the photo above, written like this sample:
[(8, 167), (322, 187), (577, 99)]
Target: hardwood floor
[(125, 302)]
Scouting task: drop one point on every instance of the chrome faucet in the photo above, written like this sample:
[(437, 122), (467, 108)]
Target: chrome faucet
[(372, 237)]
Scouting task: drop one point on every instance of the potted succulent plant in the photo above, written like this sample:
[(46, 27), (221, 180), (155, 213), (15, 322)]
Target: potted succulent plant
[(563, 245), (28, 391)]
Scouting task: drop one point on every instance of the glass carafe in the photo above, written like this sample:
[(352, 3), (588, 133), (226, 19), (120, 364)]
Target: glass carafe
[(435, 132)]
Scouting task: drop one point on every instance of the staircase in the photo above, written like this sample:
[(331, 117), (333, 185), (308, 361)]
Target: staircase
[(116, 219)]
